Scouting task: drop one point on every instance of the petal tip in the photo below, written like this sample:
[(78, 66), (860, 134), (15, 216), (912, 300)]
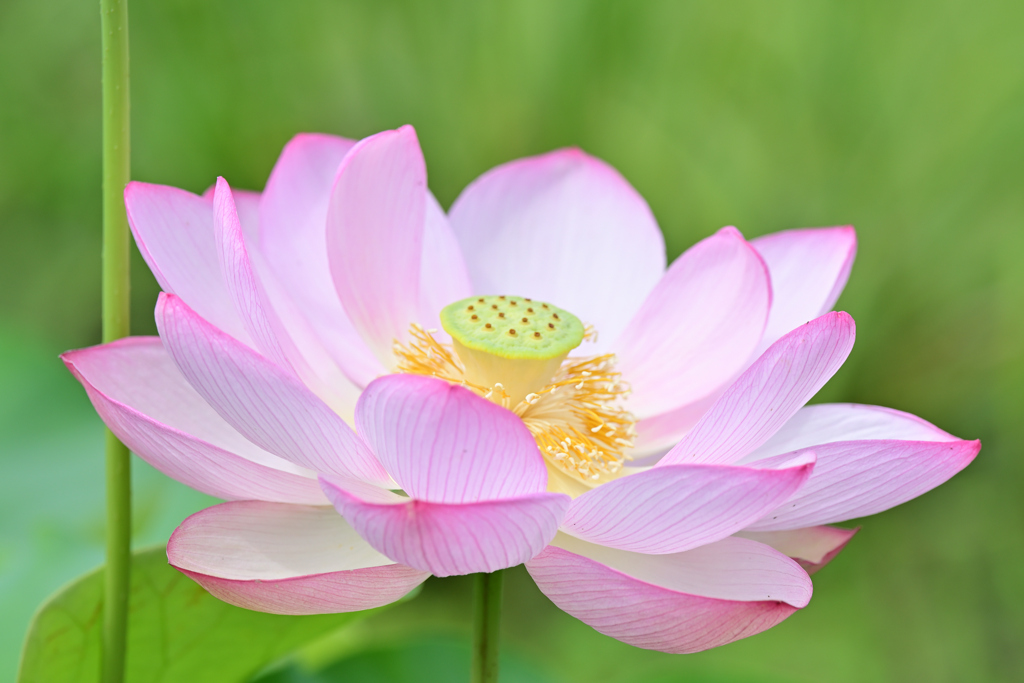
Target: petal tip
[(731, 231)]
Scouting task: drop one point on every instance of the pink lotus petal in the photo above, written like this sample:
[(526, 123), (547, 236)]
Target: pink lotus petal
[(270, 316), (268, 313), (812, 547), (286, 559), (302, 345), (809, 269), (375, 236), (562, 227), (139, 393), (449, 539), (174, 231), (768, 393), (858, 478), (827, 422), (678, 507), (680, 603), (247, 205), (443, 275), (267, 404), (293, 242), (444, 444), (241, 282), (658, 434), (698, 327)]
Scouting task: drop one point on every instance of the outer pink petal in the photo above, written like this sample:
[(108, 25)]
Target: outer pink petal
[(859, 478), (267, 404), (449, 539), (680, 603), (809, 269), (270, 316), (174, 231), (293, 242), (139, 393), (698, 327), (286, 559), (243, 287), (443, 275), (679, 507), (375, 236), (562, 227), (812, 547), (768, 393), (826, 422), (444, 444)]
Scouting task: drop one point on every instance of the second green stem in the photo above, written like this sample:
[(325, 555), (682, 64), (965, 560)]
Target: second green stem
[(486, 626), (116, 173)]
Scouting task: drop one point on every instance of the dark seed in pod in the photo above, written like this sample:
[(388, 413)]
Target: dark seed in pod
[(474, 317), (487, 325), (529, 310), (551, 326), (555, 316), (514, 303), (512, 332), (526, 320), (536, 335), (494, 306), (470, 308)]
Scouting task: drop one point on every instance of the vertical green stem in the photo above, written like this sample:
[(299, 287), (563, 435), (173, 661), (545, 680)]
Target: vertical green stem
[(486, 626), (116, 173)]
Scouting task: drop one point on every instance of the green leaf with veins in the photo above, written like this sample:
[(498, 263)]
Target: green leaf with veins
[(176, 631)]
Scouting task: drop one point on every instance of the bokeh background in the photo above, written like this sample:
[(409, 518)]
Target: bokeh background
[(905, 119)]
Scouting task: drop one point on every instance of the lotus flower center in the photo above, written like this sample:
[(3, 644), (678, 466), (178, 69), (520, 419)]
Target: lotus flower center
[(514, 341), (514, 351)]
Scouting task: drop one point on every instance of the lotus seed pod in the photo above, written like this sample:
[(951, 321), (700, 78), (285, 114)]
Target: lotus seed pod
[(514, 341)]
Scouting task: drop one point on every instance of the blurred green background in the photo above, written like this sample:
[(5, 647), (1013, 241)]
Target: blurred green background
[(905, 119)]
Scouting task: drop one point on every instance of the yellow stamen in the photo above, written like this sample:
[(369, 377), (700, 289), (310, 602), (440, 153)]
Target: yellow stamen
[(576, 418)]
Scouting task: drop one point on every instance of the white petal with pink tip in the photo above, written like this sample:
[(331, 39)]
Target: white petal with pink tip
[(530, 228), (293, 244), (813, 547), (809, 269), (286, 559), (825, 422), (375, 237), (695, 331)]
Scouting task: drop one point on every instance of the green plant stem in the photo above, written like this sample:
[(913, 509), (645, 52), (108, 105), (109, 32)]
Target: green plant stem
[(486, 626), (116, 173)]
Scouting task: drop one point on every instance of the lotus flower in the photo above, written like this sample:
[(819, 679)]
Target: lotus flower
[(382, 392)]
